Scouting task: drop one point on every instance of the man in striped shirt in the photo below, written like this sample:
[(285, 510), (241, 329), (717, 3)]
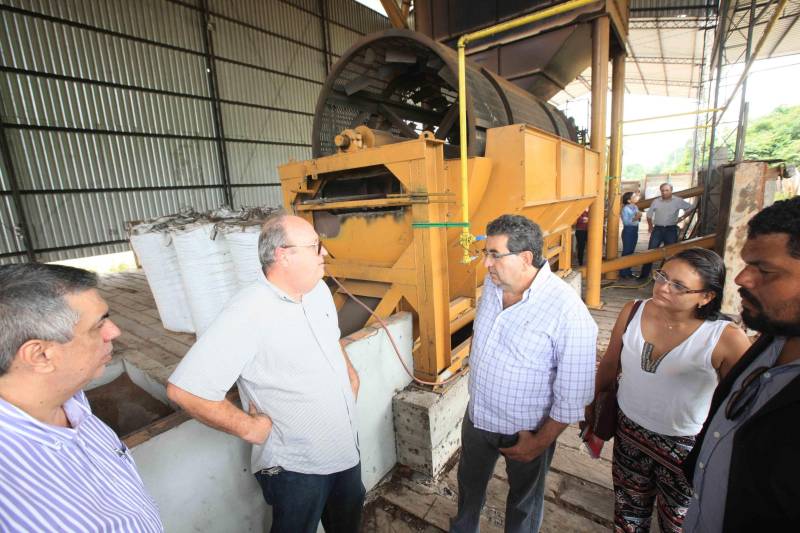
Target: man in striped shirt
[(531, 374), (61, 468)]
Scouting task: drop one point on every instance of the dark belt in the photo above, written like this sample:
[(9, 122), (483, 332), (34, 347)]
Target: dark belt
[(670, 226)]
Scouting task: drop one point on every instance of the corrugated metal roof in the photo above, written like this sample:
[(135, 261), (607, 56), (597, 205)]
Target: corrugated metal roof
[(666, 44), (643, 9)]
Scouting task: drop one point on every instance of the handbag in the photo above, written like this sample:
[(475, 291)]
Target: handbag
[(604, 424)]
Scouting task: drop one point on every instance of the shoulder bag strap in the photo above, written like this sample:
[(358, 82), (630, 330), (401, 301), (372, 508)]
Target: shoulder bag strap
[(635, 308)]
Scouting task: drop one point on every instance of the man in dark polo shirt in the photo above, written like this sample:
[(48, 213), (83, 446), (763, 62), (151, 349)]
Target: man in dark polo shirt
[(746, 461)]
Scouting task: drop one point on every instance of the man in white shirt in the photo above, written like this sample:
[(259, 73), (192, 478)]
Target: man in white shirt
[(278, 340), (662, 221)]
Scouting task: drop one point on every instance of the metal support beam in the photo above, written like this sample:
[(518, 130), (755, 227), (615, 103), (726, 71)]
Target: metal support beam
[(600, 50), (742, 126), (716, 62), (664, 252), (11, 174), (615, 163), (325, 33), (394, 13), (213, 89)]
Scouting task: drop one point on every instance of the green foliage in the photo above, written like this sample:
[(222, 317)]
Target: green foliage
[(771, 137), (775, 136)]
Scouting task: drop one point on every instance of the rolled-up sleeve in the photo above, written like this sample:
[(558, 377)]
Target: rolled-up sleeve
[(576, 349)]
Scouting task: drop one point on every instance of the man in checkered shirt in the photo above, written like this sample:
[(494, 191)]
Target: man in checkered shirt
[(532, 374)]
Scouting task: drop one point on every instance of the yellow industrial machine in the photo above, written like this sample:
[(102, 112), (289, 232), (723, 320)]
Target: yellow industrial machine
[(384, 188)]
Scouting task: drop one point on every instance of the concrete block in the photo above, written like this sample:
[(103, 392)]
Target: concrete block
[(428, 426)]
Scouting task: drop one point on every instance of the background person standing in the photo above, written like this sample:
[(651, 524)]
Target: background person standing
[(630, 215), (662, 221), (581, 235)]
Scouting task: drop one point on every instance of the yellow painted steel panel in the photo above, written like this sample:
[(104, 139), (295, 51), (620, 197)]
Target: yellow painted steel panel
[(572, 167), (541, 166)]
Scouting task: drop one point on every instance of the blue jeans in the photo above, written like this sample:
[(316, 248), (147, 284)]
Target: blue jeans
[(630, 236), (581, 236), (661, 235), (300, 501), (525, 501)]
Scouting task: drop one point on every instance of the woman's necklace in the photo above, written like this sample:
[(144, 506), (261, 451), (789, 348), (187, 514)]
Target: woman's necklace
[(670, 326)]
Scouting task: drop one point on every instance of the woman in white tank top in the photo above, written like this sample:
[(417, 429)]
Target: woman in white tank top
[(674, 350)]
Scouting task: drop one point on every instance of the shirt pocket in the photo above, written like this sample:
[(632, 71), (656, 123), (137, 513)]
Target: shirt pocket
[(529, 366)]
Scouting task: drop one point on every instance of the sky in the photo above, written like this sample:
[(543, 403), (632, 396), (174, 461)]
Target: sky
[(772, 83)]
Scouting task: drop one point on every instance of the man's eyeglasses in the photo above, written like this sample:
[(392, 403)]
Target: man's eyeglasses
[(660, 277), (746, 394), (317, 245), (495, 255)]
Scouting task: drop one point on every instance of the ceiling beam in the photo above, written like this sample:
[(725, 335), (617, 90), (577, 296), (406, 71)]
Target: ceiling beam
[(667, 24), (784, 34), (661, 53), (394, 13), (670, 60), (638, 67)]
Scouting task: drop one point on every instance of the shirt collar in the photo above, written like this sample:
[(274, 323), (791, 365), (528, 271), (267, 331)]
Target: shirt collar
[(280, 293), (541, 278), (18, 421)]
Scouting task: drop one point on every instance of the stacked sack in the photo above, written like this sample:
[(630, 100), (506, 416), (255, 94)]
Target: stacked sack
[(195, 263)]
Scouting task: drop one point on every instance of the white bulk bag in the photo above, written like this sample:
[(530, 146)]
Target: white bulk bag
[(207, 271), (243, 245), (160, 264)]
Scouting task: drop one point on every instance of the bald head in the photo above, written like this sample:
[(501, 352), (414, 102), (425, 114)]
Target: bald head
[(280, 231)]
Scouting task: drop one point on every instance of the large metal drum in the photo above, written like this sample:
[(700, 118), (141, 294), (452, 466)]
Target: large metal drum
[(403, 82)]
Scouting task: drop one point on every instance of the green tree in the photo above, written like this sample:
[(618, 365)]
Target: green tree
[(775, 136)]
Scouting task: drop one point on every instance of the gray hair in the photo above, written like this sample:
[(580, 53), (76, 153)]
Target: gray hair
[(273, 236), (32, 305), (524, 235), (668, 184)]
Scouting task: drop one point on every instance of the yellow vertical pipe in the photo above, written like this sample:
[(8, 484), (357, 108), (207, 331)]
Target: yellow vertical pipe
[(600, 45), (466, 236), (615, 162)]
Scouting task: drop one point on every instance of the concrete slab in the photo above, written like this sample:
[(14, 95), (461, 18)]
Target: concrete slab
[(428, 426)]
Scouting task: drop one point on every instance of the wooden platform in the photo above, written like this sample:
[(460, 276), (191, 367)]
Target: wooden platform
[(144, 342), (578, 496)]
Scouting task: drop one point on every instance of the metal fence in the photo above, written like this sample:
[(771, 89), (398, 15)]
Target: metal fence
[(113, 110)]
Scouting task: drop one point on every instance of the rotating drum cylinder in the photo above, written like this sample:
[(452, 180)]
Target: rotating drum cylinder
[(403, 83)]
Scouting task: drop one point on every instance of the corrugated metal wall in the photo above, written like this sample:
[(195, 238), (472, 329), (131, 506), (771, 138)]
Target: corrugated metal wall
[(117, 110)]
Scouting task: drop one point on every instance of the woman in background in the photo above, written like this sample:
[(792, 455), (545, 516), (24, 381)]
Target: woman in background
[(630, 215), (581, 233)]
